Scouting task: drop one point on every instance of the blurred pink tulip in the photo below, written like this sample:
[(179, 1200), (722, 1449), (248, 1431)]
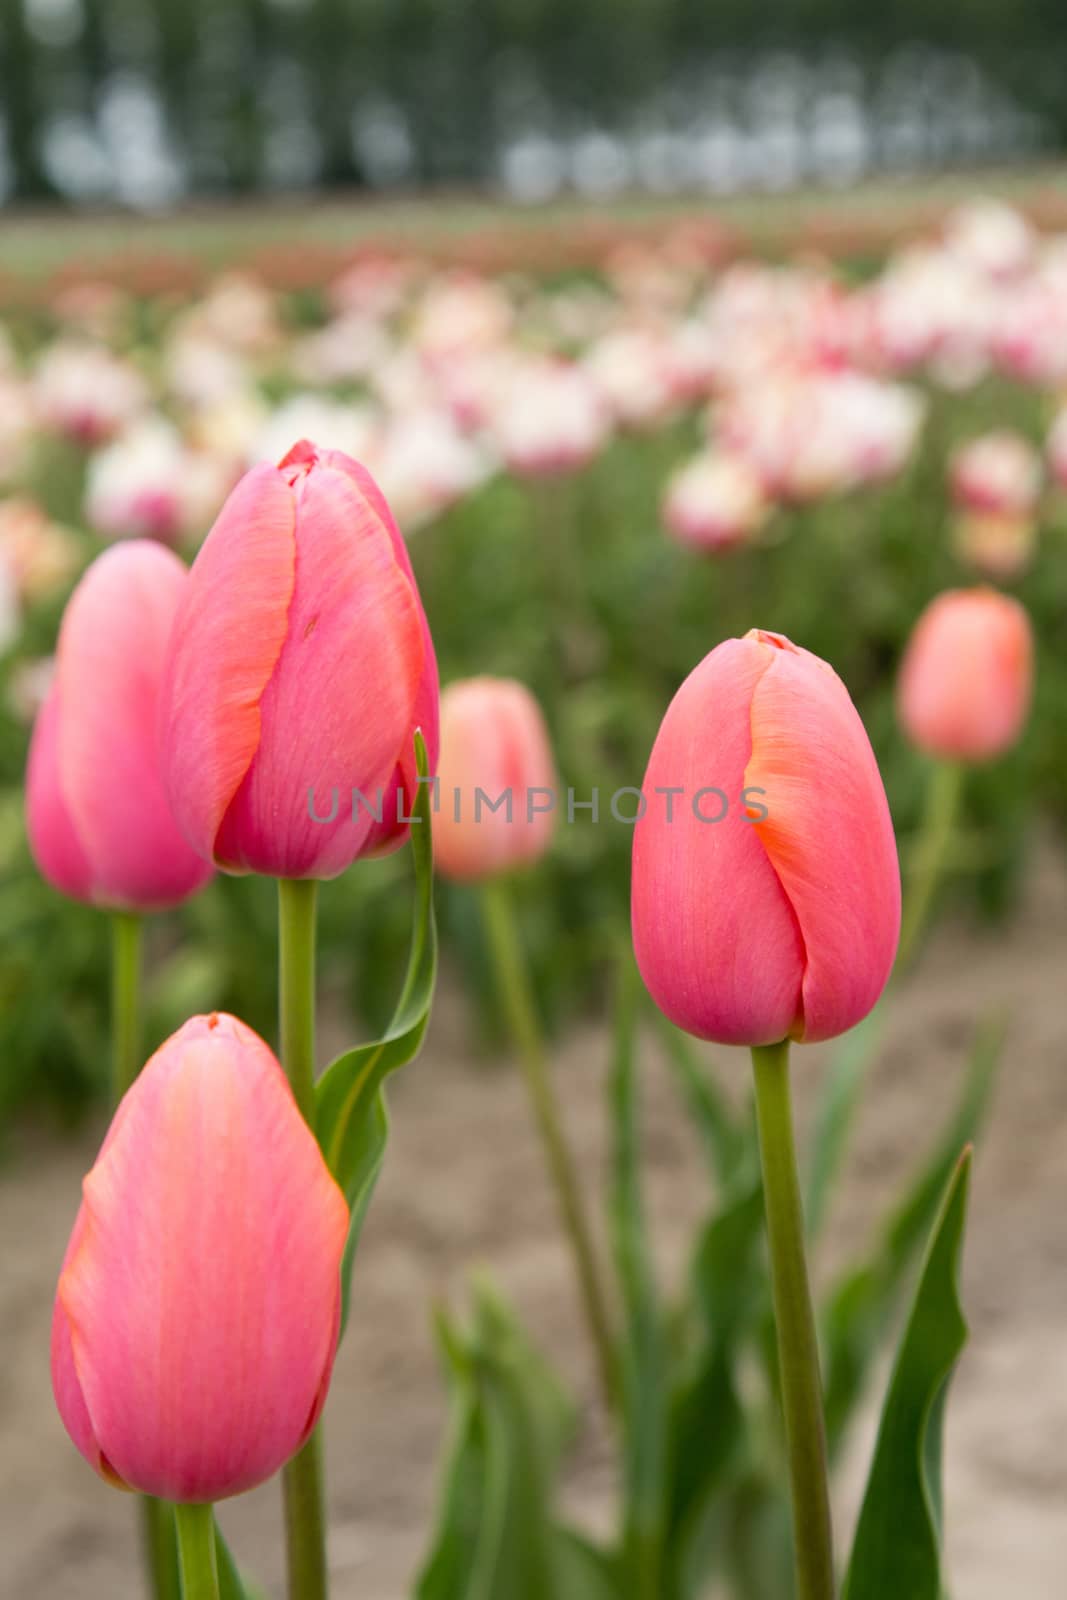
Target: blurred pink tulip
[(99, 823), (714, 502), (967, 676), (300, 667), (998, 474), (86, 393), (549, 419), (766, 891), (493, 743), (198, 1308)]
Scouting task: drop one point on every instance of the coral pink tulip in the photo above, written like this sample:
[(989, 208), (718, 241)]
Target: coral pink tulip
[(99, 823), (766, 891), (967, 676), (496, 787), (198, 1308), (300, 666)]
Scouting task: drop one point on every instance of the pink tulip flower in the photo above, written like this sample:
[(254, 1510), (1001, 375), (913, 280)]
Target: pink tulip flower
[(766, 890), (967, 676), (300, 667), (493, 744), (99, 823), (198, 1308), (997, 474), (714, 502)]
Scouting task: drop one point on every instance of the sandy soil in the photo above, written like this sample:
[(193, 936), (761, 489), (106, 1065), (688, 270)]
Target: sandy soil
[(464, 1185)]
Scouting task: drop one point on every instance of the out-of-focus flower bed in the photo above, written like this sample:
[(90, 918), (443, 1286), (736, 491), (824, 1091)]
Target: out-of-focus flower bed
[(602, 471)]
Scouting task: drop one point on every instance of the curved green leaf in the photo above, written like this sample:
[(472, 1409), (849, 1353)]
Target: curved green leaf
[(707, 1418), (495, 1536), (896, 1551), (351, 1115), (865, 1295), (643, 1352)]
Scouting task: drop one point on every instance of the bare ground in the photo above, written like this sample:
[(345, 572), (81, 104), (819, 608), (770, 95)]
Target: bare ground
[(463, 1185)]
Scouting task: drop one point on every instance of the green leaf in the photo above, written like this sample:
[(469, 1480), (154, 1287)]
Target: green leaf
[(726, 1291), (352, 1119), (587, 1571), (643, 1354), (495, 1537), (863, 1298), (896, 1550), (444, 1573), (230, 1585), (839, 1101)]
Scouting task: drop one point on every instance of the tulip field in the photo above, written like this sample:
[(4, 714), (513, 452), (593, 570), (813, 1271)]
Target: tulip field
[(622, 678)]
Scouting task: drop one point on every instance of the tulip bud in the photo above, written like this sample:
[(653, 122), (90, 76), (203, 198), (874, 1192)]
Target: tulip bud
[(99, 823), (966, 679), (198, 1307), (300, 666), (496, 779), (766, 890)]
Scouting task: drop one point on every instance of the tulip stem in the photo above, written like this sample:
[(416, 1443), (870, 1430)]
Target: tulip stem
[(196, 1541), (302, 1480), (296, 987), (517, 1002), (928, 862), (127, 949), (126, 952), (798, 1351)]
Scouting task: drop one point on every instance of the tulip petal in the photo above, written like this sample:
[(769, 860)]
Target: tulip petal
[(53, 836), (202, 1293), (827, 834), (349, 670), (494, 747), (714, 933), (108, 667), (217, 673), (389, 833)]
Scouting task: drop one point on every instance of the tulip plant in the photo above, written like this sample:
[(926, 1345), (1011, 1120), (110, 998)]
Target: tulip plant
[(274, 711)]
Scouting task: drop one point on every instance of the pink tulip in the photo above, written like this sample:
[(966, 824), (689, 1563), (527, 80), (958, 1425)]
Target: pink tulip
[(493, 744), (967, 676), (198, 1307), (766, 891), (300, 667), (714, 502), (997, 474), (99, 823)]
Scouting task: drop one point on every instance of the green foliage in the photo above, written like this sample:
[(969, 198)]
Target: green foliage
[(352, 1119), (495, 1538), (863, 1298), (897, 1546), (702, 1453), (642, 1345)]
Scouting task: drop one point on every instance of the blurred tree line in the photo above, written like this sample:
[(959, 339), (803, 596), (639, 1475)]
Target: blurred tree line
[(147, 99)]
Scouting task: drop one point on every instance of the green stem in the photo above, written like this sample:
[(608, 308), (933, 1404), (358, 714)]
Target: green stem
[(798, 1353), (160, 1543), (302, 1480), (126, 961), (296, 979), (514, 990), (127, 950), (931, 850), (196, 1542)]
